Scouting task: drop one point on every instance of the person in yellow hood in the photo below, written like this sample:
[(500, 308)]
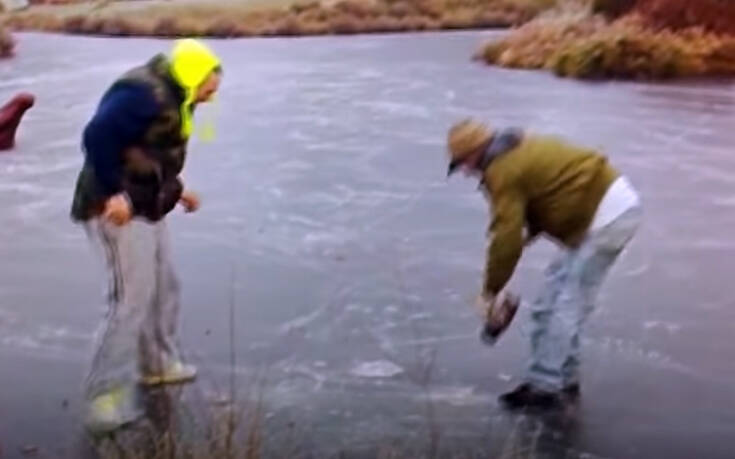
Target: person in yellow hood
[(135, 146)]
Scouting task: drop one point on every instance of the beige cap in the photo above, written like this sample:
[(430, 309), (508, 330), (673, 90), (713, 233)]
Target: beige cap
[(464, 138)]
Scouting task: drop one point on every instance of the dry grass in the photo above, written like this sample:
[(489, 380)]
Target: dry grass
[(635, 46), (613, 8), (6, 43), (221, 438), (533, 45), (54, 2), (243, 19), (712, 15)]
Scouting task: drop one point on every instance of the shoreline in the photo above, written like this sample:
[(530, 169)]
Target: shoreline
[(242, 19)]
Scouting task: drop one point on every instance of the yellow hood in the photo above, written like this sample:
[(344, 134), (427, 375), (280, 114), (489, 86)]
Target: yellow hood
[(191, 64)]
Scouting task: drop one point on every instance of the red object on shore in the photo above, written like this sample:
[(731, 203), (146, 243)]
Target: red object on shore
[(10, 116)]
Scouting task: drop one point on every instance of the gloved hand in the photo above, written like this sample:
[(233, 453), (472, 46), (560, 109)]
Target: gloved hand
[(498, 313)]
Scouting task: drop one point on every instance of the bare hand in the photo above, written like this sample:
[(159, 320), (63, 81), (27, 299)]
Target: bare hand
[(118, 210), (489, 305), (483, 304), (190, 201), (501, 309)]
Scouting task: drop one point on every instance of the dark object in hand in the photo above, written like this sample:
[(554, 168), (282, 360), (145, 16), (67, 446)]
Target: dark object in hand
[(499, 317)]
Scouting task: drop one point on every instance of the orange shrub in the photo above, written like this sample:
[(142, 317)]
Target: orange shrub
[(586, 47), (713, 15)]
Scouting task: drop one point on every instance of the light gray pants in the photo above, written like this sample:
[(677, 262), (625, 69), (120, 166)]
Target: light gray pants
[(573, 281), (139, 336)]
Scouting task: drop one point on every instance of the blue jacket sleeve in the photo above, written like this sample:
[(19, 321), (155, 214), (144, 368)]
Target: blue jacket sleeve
[(123, 116)]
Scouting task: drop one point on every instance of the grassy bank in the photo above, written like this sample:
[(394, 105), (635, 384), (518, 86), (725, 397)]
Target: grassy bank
[(233, 18), (643, 39)]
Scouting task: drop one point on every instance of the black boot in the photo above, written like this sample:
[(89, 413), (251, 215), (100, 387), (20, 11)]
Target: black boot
[(527, 396), (572, 391)]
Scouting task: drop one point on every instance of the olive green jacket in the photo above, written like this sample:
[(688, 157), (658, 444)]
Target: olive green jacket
[(546, 186)]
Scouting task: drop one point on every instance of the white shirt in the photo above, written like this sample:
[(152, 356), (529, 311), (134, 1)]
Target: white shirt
[(620, 197)]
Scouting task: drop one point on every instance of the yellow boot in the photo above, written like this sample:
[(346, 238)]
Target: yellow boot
[(107, 411), (177, 373)]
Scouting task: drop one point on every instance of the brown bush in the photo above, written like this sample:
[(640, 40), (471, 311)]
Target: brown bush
[(713, 15), (637, 53), (74, 24), (355, 8), (721, 59), (345, 25), (492, 20), (54, 2), (7, 44), (42, 22), (303, 6), (117, 27), (430, 8), (612, 8), (627, 48), (314, 28), (166, 27), (379, 9), (534, 44), (531, 8), (288, 26), (223, 28), (463, 19), (385, 24), (416, 23), (92, 25), (401, 9)]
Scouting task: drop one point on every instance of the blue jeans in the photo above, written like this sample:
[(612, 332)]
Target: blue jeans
[(573, 280)]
